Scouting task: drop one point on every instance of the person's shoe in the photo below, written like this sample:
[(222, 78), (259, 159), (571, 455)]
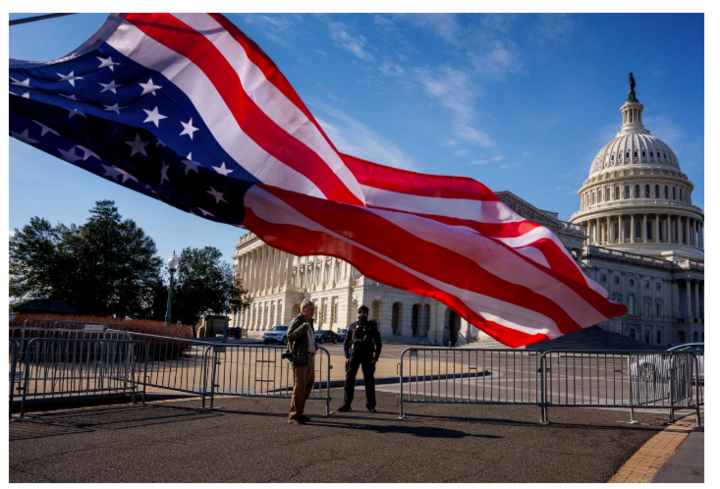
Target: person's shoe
[(296, 421), (372, 410), (344, 409), (304, 418)]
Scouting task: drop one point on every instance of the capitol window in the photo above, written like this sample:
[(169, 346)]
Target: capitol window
[(631, 304), (607, 194), (603, 277), (617, 280), (637, 191), (657, 191), (617, 193), (627, 191), (681, 194), (666, 191), (658, 286), (651, 155), (643, 153), (635, 154), (674, 195), (647, 191)]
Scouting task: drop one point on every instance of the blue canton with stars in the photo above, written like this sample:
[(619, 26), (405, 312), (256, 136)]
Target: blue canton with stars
[(106, 114)]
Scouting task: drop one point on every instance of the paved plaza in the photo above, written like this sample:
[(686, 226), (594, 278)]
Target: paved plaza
[(248, 440)]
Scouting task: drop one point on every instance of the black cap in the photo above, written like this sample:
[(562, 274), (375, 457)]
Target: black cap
[(363, 309)]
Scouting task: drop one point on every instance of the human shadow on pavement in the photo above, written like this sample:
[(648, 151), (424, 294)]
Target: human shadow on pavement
[(419, 431), (112, 418)]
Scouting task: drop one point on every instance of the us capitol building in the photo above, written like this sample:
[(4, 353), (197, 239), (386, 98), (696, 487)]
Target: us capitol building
[(637, 234)]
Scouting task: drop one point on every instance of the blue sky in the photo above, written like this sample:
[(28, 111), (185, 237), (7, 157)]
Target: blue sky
[(519, 102)]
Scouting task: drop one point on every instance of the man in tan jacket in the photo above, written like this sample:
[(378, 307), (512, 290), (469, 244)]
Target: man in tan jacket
[(301, 342)]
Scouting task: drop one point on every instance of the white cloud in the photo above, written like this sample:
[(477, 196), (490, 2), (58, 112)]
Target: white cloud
[(507, 166), (454, 90), (445, 26), (487, 160), (461, 152), (277, 27), (344, 38), (352, 137), (665, 128)]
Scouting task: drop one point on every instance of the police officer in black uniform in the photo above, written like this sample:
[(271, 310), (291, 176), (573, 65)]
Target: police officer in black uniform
[(362, 348)]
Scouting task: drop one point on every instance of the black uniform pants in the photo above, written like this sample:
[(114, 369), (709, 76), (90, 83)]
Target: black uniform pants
[(368, 369)]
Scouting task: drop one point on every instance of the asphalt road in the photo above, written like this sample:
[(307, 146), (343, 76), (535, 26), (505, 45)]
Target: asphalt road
[(249, 441)]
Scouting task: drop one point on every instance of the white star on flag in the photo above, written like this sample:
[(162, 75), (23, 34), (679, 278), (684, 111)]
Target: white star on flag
[(110, 86), (205, 213), (69, 155), (74, 112), (87, 153), (138, 146), (218, 195), (126, 176), (70, 78), (45, 129), (113, 108), (190, 165), (111, 171), (26, 83), (71, 97), (163, 173), (222, 170), (149, 87), (188, 128), (107, 63), (154, 116), (23, 136)]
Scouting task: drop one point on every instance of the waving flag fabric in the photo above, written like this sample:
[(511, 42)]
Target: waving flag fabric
[(186, 109)]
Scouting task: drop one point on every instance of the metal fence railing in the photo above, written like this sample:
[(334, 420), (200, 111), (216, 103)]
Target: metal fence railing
[(473, 376), (14, 371), (662, 380), (62, 367), (259, 371), (616, 379), (176, 364)]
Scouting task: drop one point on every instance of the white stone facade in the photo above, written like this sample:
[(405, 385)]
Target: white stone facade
[(637, 234)]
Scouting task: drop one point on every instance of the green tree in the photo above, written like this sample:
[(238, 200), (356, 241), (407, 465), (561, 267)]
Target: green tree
[(107, 267), (35, 271), (203, 283)]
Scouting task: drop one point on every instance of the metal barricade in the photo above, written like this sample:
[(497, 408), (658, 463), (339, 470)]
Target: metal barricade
[(471, 376), (14, 372), (61, 367), (176, 364), (259, 371), (620, 379)]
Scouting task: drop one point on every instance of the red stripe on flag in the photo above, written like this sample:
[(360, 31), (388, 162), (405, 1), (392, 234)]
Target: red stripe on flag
[(186, 41), (297, 241), (413, 183)]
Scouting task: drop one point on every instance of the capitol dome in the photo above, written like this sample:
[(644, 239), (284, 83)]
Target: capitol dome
[(636, 198)]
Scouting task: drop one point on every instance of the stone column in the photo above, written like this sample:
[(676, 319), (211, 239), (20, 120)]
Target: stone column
[(667, 228), (687, 230), (621, 228), (632, 228), (657, 229), (643, 228), (288, 274), (697, 298), (608, 231), (702, 235), (688, 300)]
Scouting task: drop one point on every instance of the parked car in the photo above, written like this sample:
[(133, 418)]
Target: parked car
[(325, 336), (652, 367), (341, 334), (276, 333)]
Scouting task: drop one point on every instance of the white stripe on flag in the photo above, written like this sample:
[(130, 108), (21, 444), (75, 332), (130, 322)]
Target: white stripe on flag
[(142, 49)]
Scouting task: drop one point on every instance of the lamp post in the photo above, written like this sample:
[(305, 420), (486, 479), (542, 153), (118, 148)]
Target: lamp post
[(225, 326), (173, 263)]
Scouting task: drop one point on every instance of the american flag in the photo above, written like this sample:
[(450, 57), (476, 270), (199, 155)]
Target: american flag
[(185, 108)]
